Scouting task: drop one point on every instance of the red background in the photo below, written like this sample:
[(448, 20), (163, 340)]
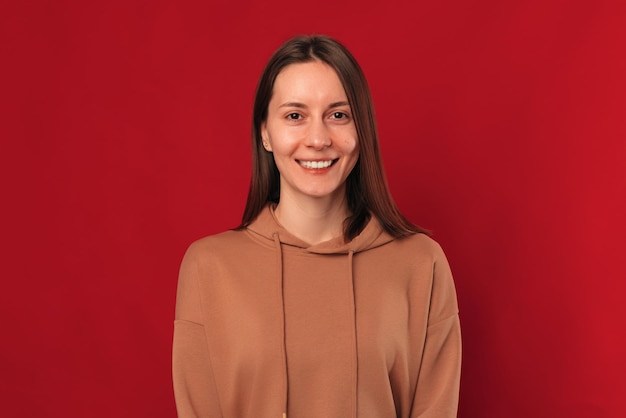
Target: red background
[(125, 136)]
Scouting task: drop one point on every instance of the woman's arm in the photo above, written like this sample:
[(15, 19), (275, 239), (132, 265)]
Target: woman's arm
[(437, 391), (194, 387)]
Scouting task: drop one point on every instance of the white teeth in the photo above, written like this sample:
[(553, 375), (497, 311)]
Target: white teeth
[(316, 164)]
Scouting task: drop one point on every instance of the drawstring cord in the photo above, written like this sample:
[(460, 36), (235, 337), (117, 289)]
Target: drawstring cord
[(281, 295), (354, 339)]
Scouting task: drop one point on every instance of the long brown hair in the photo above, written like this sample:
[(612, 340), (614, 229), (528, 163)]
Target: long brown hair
[(366, 186)]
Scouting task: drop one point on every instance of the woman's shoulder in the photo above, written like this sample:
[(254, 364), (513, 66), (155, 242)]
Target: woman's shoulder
[(216, 244), (421, 243)]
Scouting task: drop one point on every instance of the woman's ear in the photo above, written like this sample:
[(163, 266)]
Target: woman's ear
[(265, 137)]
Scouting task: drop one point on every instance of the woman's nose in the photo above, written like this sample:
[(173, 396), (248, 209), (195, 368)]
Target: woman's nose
[(318, 136)]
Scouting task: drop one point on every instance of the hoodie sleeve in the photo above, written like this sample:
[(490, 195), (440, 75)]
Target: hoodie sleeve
[(194, 387), (437, 390)]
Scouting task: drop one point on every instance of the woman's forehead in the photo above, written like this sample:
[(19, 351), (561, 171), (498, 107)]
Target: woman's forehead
[(308, 81)]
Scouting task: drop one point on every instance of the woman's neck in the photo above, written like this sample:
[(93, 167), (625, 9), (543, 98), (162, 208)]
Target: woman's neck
[(313, 220)]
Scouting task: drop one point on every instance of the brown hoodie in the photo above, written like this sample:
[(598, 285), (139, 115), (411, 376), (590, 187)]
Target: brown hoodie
[(267, 324)]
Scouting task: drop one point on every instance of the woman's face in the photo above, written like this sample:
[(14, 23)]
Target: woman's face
[(311, 132)]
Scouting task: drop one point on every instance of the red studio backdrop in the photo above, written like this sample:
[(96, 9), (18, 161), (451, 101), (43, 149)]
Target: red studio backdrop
[(125, 136)]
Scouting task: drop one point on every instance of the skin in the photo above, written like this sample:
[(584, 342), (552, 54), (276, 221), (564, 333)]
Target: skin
[(310, 121)]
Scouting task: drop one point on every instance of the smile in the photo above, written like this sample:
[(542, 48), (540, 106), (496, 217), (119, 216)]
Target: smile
[(316, 164)]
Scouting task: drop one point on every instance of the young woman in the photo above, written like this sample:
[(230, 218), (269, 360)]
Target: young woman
[(325, 302)]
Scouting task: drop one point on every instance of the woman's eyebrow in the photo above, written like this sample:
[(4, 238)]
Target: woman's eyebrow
[(303, 106), (338, 104), (293, 104)]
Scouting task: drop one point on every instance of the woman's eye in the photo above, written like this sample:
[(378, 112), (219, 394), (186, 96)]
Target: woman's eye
[(339, 115), (293, 116)]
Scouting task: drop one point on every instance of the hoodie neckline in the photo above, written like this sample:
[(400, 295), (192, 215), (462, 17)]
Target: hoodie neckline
[(372, 236)]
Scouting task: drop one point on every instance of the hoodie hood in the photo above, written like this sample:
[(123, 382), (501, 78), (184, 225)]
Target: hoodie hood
[(267, 226)]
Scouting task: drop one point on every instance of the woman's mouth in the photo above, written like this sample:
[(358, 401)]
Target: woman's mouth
[(316, 164)]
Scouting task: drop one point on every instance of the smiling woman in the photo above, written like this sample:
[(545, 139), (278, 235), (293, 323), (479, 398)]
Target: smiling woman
[(325, 301)]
